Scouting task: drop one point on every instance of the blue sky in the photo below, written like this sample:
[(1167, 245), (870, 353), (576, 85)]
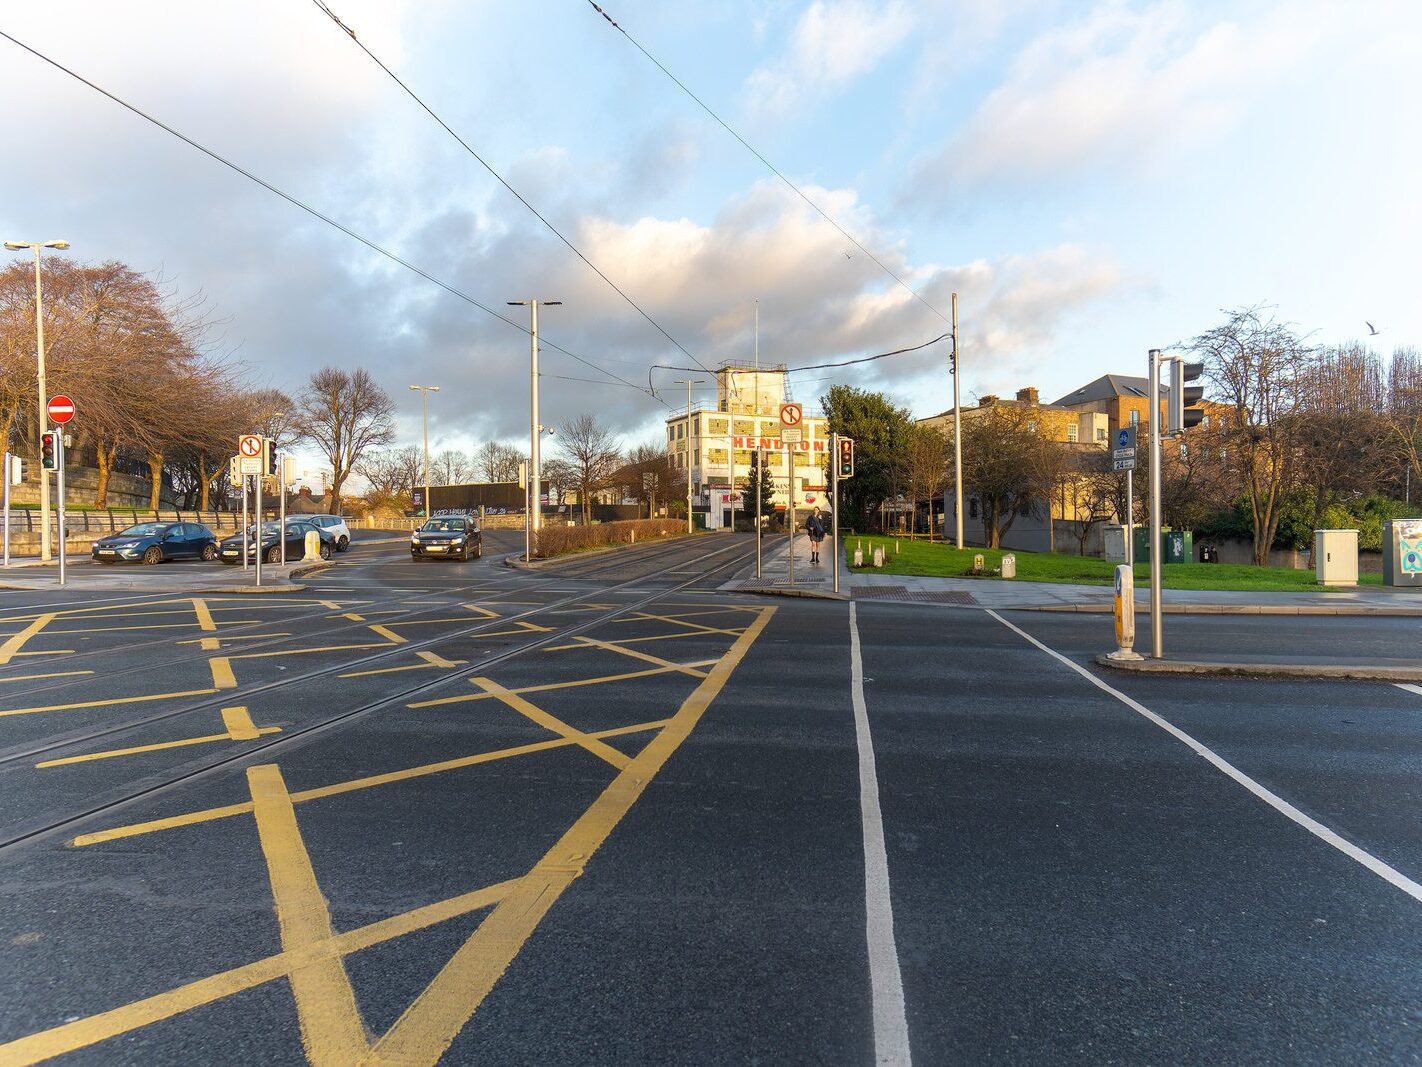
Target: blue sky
[(1094, 179)]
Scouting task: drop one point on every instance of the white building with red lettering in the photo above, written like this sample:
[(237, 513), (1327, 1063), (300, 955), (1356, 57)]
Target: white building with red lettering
[(718, 443)]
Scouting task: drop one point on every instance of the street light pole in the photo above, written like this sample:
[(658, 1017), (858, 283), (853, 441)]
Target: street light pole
[(425, 391), (1157, 645), (957, 431), (688, 382), (41, 417), (535, 464)]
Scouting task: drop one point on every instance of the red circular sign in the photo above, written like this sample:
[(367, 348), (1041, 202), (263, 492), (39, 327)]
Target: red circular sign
[(61, 409)]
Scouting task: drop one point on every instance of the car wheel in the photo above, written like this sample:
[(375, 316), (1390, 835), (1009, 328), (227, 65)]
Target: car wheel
[(325, 550), (153, 555), (274, 554), (342, 544), (209, 553)]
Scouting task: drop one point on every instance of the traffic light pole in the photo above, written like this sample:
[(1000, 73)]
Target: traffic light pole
[(246, 524), (1157, 644), (257, 507), (281, 494), (9, 459), (759, 480), (59, 505)]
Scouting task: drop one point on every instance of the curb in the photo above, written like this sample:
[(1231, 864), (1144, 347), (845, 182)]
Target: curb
[(1265, 670), (766, 590), (1143, 608)]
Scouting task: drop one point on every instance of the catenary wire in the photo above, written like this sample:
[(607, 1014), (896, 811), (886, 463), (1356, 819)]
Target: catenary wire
[(846, 362), (769, 165), (302, 205), (502, 181)]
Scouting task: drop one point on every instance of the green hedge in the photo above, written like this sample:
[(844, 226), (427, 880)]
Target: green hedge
[(556, 540)]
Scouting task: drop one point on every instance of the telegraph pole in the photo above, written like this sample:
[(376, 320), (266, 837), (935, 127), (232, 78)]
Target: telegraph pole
[(425, 391), (957, 430), (688, 382)]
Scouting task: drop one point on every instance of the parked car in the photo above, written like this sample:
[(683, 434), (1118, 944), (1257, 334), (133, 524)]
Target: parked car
[(154, 542), (446, 537), (295, 537), (337, 527)]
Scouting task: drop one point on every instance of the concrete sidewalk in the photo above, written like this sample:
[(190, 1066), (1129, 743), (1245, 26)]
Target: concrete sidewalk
[(810, 580), (174, 577)]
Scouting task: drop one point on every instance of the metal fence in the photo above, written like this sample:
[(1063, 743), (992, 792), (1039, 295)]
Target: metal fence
[(111, 520)]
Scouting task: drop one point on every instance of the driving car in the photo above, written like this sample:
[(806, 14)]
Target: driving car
[(447, 537), (295, 537), (337, 528), (155, 542)]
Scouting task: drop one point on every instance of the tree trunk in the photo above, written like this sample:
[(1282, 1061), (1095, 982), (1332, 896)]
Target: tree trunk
[(106, 469), (155, 472)]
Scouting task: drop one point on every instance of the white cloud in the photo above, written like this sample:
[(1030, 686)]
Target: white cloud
[(1123, 86), (834, 42)]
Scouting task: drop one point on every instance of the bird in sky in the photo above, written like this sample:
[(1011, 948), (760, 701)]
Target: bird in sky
[(1373, 331)]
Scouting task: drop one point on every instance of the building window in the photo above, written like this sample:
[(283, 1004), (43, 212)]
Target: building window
[(1184, 450), (1205, 423), (1072, 432), (1135, 418), (716, 427), (1100, 433)]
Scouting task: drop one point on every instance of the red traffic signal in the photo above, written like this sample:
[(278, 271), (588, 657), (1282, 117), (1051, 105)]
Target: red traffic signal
[(844, 459), (49, 450)]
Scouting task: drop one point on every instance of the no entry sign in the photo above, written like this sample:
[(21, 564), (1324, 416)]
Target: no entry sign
[(61, 409)]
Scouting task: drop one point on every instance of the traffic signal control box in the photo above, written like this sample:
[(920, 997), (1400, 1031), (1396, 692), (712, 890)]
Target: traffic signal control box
[(50, 448), (844, 459)]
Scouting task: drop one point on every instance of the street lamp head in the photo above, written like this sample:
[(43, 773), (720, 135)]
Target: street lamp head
[(434, 388), (551, 303), (56, 244), (15, 246)]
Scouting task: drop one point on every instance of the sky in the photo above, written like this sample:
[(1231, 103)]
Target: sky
[(1093, 179)]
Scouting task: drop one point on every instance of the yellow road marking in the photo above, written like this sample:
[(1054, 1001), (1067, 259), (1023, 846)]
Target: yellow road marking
[(222, 676), (550, 722), (108, 703), (683, 668), (674, 620), (66, 612), (84, 1032), (49, 652), (636, 640), (353, 617), (239, 728), (431, 660), (146, 626), (239, 724), (481, 611), (331, 1028), (16, 641), (205, 623), (576, 683), (428, 1026), (216, 642), (354, 785), (36, 677), (303, 651), (388, 634)]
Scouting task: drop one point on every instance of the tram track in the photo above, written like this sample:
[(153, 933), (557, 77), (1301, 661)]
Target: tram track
[(154, 785)]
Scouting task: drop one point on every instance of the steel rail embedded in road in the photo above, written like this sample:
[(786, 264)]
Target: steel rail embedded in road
[(171, 781)]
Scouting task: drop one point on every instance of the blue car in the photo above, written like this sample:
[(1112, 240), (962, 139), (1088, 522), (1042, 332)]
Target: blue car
[(155, 542)]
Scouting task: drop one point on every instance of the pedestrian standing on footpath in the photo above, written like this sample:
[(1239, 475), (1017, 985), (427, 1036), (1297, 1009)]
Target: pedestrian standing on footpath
[(815, 527)]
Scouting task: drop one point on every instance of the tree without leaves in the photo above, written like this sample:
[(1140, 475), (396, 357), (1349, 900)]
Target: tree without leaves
[(1007, 465), (592, 455), (1254, 364), (345, 415), (393, 475), (450, 467), (646, 476), (1403, 414), (1341, 393)]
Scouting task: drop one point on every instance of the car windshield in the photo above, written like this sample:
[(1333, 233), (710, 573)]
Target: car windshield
[(446, 525), (145, 529)]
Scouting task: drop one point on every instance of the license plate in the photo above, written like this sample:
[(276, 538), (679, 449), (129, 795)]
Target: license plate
[(108, 552), (434, 548)]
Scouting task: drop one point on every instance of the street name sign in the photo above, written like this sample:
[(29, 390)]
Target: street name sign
[(60, 408)]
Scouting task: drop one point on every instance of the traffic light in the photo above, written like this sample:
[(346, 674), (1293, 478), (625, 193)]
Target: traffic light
[(1183, 413), (49, 450), (270, 451), (845, 459)]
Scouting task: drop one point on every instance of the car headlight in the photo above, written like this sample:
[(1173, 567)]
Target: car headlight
[(414, 539), (456, 540)]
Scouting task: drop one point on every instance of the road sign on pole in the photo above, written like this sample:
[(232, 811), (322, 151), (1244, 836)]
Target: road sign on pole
[(792, 428), (1123, 449), (60, 408)]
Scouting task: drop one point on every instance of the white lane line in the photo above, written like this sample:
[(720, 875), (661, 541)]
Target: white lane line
[(891, 1043), (1410, 687), (1278, 803)]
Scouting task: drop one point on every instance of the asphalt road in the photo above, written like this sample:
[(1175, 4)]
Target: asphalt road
[(604, 813)]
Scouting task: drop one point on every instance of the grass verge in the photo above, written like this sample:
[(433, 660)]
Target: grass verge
[(936, 559)]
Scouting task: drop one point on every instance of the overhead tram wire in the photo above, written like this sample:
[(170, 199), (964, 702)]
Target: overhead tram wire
[(768, 165), (843, 363), (326, 10), (290, 199)]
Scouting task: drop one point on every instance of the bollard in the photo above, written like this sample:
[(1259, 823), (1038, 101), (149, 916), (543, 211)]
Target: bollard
[(978, 563), (896, 547), (859, 557), (313, 546), (878, 555), (1009, 566), (1125, 610)]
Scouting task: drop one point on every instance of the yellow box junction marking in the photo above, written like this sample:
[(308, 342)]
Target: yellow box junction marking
[(16, 641), (577, 683), (612, 646), (108, 703), (431, 661), (601, 749), (239, 728), (331, 1029), (37, 677), (205, 623), (330, 1020)]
